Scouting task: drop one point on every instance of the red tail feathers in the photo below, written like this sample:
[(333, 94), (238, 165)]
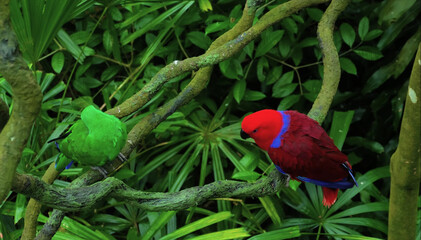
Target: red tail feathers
[(329, 196)]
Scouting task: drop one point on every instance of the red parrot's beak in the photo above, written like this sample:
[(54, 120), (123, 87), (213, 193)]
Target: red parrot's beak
[(244, 135)]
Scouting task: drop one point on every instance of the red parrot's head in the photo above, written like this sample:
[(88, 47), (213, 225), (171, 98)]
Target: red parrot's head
[(263, 126)]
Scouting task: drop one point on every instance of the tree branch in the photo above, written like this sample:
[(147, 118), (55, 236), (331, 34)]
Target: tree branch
[(331, 65), (27, 102), (224, 52), (34, 207), (81, 198), (174, 69)]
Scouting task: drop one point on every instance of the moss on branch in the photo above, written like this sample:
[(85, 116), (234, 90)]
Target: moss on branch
[(85, 197), (405, 164), (27, 102), (223, 52), (331, 65)]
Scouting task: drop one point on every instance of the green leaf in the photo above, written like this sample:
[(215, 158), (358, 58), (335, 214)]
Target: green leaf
[(288, 102), (363, 27), (393, 10), (373, 34), (308, 42), (348, 66), (57, 62), (205, 5), (157, 224), (116, 14), (154, 23), (71, 46), (216, 27), (284, 47), (197, 225), (314, 13), (274, 74), (354, 237), (286, 78), (249, 49), (239, 89), (347, 33), (246, 176), (58, 88), (36, 23), (109, 73), (378, 78), (337, 40), (199, 39), (252, 95), (340, 126), (271, 210), (124, 174), (19, 207), (107, 41), (284, 90), (290, 25), (235, 233), (361, 221), (294, 184), (285, 233), (81, 230), (269, 40), (365, 143), (313, 86), (262, 65), (365, 208), (231, 68), (394, 30), (369, 53)]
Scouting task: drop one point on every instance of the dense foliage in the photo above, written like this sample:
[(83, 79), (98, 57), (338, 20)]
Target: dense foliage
[(108, 50)]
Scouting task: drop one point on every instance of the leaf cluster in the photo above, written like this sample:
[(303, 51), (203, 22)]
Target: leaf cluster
[(111, 49)]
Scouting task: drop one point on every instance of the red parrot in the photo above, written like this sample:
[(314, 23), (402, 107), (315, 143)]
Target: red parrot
[(300, 148)]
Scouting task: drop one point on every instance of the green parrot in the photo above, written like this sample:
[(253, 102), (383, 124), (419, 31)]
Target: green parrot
[(93, 140)]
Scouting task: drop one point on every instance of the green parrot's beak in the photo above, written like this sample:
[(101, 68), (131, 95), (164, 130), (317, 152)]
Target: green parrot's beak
[(244, 135)]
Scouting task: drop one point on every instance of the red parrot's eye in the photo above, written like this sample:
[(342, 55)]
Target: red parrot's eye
[(255, 130)]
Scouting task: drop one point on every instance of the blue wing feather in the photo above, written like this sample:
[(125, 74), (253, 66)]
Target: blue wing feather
[(343, 184)]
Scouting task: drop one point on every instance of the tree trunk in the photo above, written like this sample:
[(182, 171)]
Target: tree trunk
[(405, 164)]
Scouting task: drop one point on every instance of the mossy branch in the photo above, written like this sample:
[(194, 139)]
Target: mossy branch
[(212, 57), (405, 164), (331, 65), (34, 207), (81, 198), (146, 125), (27, 102)]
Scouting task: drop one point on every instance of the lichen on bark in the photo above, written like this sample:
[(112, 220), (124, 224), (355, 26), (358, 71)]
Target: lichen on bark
[(405, 163)]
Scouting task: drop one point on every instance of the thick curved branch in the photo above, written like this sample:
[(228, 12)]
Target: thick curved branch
[(34, 207), (331, 65), (212, 57), (27, 102), (77, 199), (148, 123)]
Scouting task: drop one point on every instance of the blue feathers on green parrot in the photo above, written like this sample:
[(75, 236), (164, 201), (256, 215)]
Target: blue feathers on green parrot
[(93, 140)]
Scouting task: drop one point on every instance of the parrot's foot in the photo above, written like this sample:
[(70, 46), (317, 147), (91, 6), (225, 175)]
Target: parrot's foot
[(287, 181), (121, 157), (101, 170)]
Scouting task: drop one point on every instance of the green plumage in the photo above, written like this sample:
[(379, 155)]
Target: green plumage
[(93, 140)]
